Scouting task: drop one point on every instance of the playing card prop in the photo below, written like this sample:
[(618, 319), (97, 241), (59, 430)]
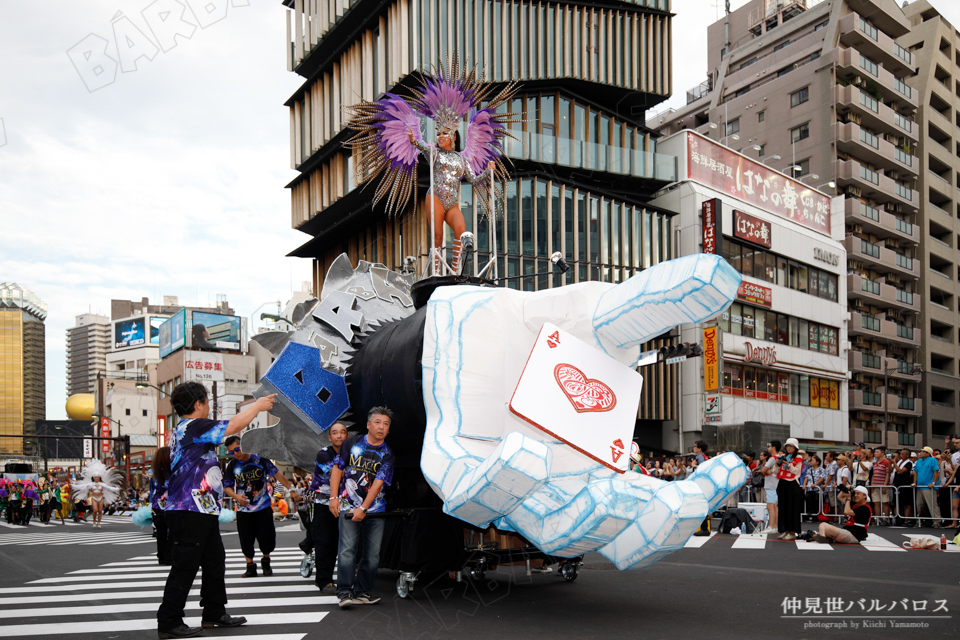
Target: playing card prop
[(580, 396), (315, 395)]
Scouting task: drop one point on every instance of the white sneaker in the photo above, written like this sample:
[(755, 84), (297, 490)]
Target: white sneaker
[(768, 531)]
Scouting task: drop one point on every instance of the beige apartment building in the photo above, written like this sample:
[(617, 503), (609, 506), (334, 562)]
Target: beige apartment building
[(935, 45), (819, 90)]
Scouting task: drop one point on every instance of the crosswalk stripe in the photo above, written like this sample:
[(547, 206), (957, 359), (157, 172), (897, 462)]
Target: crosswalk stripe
[(812, 546), (39, 524), (157, 574), (750, 541), (303, 586), (153, 560), (876, 543), (160, 581), (109, 626), (156, 567), (66, 579), (141, 607), (698, 541)]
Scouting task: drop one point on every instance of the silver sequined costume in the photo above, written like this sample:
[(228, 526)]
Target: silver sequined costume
[(449, 168)]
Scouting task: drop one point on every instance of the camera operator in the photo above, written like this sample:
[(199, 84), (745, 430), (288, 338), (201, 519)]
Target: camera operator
[(858, 514)]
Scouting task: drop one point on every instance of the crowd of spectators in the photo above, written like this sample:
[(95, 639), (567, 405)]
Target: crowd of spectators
[(902, 488)]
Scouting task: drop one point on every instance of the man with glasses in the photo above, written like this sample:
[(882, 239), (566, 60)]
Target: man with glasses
[(245, 481)]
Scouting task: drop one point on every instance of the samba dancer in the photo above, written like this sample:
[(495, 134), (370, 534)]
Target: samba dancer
[(389, 142)]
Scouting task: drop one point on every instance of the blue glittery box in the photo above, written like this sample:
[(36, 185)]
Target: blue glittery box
[(315, 395)]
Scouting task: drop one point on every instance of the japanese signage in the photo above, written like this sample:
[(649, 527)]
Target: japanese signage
[(88, 447), (161, 431), (755, 294), (711, 359), (712, 236), (752, 229), (724, 170), (764, 355), (202, 365), (105, 433)]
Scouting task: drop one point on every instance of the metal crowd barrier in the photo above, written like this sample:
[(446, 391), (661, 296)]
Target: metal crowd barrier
[(893, 492)]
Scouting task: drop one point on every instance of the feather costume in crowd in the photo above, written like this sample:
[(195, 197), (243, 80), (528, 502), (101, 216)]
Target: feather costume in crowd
[(447, 95), (109, 483)]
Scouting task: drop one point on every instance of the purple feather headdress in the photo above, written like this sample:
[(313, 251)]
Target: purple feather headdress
[(448, 95)]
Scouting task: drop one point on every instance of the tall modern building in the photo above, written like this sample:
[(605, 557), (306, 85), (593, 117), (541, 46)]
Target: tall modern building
[(87, 344), (820, 91), (584, 163), (935, 45), (22, 365)]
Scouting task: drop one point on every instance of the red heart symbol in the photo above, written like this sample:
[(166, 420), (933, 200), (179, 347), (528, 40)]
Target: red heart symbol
[(551, 344), (583, 393)]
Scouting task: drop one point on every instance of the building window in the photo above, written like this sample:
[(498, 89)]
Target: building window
[(144, 413), (802, 168), (761, 116), (747, 63), (868, 65), (784, 71), (799, 97), (822, 25), (782, 45), (128, 411), (733, 127), (763, 150), (799, 133)]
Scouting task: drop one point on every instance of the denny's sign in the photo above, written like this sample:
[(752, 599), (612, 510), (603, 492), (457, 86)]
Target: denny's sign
[(711, 359)]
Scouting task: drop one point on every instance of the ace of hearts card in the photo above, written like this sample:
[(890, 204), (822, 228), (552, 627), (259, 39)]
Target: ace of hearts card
[(579, 395)]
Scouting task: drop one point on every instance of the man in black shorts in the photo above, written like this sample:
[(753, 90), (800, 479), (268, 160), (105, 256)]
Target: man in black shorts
[(245, 481)]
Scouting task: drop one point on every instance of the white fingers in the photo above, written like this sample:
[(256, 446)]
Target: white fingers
[(664, 525), (689, 289), (719, 477), (515, 470)]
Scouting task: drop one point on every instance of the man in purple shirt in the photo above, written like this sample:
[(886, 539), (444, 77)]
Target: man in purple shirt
[(194, 490)]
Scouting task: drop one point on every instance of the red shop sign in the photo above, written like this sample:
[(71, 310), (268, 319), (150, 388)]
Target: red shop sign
[(755, 294), (752, 229), (726, 170)]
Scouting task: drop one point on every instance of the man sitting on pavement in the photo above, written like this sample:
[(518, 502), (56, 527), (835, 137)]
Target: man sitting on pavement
[(858, 514)]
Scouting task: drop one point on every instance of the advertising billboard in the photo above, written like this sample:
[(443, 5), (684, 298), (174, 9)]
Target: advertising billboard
[(214, 331), (726, 170), (155, 323), (130, 333), (172, 333)]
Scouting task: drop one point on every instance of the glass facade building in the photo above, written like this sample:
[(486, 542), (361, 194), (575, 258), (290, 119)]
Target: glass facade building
[(584, 164), (22, 366)]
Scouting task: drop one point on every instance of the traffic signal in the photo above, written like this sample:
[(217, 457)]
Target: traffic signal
[(683, 350)]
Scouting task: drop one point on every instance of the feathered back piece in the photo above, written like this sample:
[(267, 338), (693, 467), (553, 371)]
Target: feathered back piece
[(447, 95), (109, 477)]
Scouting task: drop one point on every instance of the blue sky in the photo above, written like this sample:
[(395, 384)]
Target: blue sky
[(167, 180)]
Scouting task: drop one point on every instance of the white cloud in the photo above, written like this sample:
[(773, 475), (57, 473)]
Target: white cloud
[(168, 181)]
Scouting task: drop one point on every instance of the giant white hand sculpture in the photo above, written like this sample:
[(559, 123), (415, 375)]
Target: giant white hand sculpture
[(489, 466)]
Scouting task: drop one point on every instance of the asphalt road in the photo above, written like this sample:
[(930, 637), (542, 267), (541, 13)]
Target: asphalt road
[(83, 583)]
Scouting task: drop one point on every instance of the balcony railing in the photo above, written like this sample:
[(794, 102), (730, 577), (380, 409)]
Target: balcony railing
[(903, 87), (869, 138), (869, 175), (869, 322), (905, 367), (871, 398), (903, 191), (904, 332), (906, 439), (903, 157), (870, 286), (900, 121), (870, 249), (904, 262), (871, 361), (902, 53), (591, 155), (904, 296), (903, 226), (870, 212), (869, 102), (868, 29)]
